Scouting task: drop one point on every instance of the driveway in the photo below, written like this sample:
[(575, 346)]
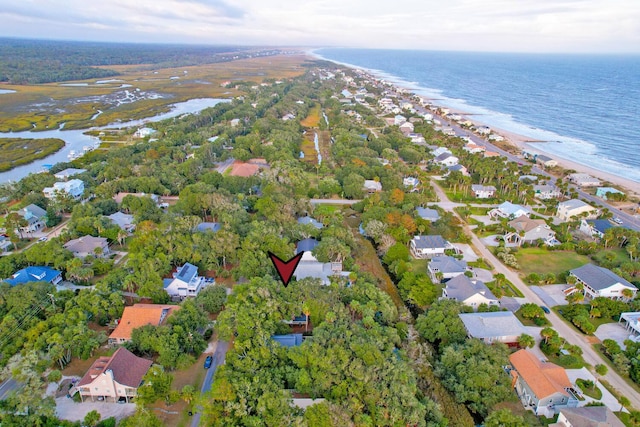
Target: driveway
[(468, 254), (67, 409), (613, 331), (491, 240), (551, 295), (482, 274), (484, 219), (607, 398)]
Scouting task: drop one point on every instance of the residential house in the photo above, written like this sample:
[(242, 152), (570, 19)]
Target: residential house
[(410, 182), (234, 122), (35, 216), (406, 128), (68, 173), (428, 246), (445, 267), (587, 416), (428, 214), (490, 154), (508, 210), (114, 378), (309, 220), (483, 130), (575, 207), (306, 245), (531, 178), (530, 231), (496, 137), (542, 387), (310, 267), (372, 186), (483, 191), (595, 227), (631, 323), (584, 180), (440, 150), (123, 221), (5, 243), (243, 169), (497, 326), (35, 274), (203, 227), (144, 132), (185, 283), (119, 197), (546, 192), (603, 191), (137, 316), (73, 187), (600, 282), (399, 120), (473, 148), (470, 292), (88, 245), (446, 159), (458, 168), (546, 161)]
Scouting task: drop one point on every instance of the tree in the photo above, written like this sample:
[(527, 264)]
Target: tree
[(441, 325), (157, 385), (526, 341), (212, 298), (531, 311), (353, 186), (504, 418), (92, 418)]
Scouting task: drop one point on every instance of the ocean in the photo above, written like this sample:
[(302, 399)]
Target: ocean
[(585, 107)]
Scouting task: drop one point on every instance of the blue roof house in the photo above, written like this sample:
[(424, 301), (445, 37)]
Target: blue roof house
[(35, 274)]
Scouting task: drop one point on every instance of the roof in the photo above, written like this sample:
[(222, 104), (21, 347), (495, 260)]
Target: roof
[(127, 368), (204, 226), (478, 187), (543, 158), (31, 211), (544, 379), (545, 188), (447, 264), (574, 204), (429, 242), (526, 224), (139, 315), (122, 220), (601, 225), (456, 168), (461, 288), (85, 244), (186, 273), (599, 278), (289, 340), (510, 208), (591, 416), (428, 213), (243, 169), (309, 220), (370, 184), (33, 274), (69, 172), (444, 156), (491, 325), (306, 245)]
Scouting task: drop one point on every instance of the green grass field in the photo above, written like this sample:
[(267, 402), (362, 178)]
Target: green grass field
[(540, 260)]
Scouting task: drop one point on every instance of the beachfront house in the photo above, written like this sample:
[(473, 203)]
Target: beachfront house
[(483, 191), (575, 207), (584, 180), (603, 191), (601, 282), (546, 161)]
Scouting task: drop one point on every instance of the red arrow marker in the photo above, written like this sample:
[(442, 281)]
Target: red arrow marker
[(285, 268)]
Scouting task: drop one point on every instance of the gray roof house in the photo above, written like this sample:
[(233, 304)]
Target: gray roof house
[(587, 416), (88, 245), (471, 292), (600, 282), (123, 220), (306, 245), (428, 214), (35, 217), (448, 266), (595, 227), (309, 220), (428, 246), (497, 326), (208, 226)]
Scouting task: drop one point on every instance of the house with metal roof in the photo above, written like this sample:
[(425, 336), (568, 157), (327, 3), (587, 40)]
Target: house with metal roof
[(543, 387), (483, 191), (208, 226), (74, 188), (35, 274), (445, 267), (470, 292), (497, 326), (306, 245), (428, 246), (508, 210), (595, 227), (68, 173), (185, 283), (35, 216), (546, 192), (601, 282), (123, 221)]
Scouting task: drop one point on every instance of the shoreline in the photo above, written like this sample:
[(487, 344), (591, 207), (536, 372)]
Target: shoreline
[(630, 186)]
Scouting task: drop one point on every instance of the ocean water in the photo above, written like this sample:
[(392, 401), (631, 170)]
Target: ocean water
[(585, 107)]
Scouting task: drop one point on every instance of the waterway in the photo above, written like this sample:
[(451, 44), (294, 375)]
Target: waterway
[(75, 140)]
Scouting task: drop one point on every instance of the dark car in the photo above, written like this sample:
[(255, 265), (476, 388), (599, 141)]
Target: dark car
[(545, 309), (207, 362)]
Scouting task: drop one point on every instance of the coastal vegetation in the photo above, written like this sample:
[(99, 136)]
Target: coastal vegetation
[(20, 151)]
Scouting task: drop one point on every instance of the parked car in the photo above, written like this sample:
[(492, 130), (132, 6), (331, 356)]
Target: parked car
[(42, 239), (617, 220), (122, 400), (545, 309), (208, 361)]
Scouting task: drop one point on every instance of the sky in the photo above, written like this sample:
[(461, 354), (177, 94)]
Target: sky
[(598, 26)]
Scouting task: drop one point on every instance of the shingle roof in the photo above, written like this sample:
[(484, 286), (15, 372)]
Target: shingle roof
[(574, 204), (309, 220), (599, 278), (33, 274), (139, 315), (461, 288), (429, 242), (544, 379), (306, 245), (493, 324), (122, 220), (447, 264), (127, 368), (243, 169), (428, 214), (591, 416), (85, 244), (478, 187), (524, 223), (31, 211)]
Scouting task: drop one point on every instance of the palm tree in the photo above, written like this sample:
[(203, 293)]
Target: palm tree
[(306, 311), (547, 333)]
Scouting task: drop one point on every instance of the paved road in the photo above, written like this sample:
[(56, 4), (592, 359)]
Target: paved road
[(333, 201), (7, 387), (218, 359), (571, 335)]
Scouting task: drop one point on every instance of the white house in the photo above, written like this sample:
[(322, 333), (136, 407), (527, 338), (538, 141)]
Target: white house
[(546, 192), (428, 246), (35, 216), (122, 220), (483, 191), (470, 292), (446, 159), (546, 161), (600, 282), (185, 282), (473, 148), (410, 182), (440, 150), (446, 267), (144, 132), (372, 186), (584, 180), (399, 119), (73, 188), (575, 207), (595, 227), (508, 210), (530, 231)]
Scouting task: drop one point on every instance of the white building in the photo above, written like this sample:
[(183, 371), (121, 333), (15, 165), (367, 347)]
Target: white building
[(470, 292), (73, 187), (584, 180), (428, 246), (508, 210), (185, 282), (483, 191), (601, 282), (575, 207), (372, 186)]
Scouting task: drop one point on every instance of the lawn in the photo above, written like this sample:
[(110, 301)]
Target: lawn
[(611, 258), (589, 388), (542, 261), (530, 322)]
